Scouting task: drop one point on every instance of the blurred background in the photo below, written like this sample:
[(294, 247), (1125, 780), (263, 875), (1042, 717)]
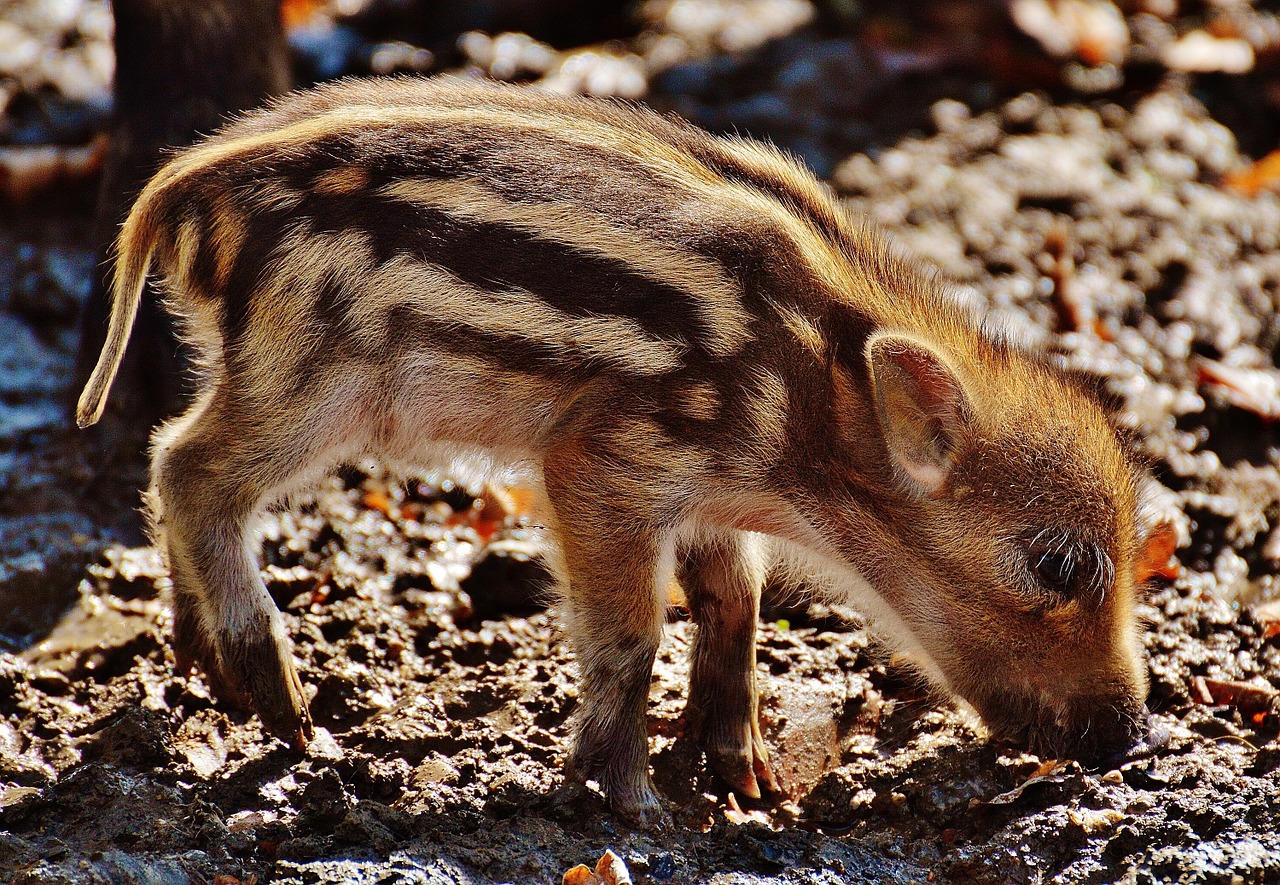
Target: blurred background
[(823, 77)]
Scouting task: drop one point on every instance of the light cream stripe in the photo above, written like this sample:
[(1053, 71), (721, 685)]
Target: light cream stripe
[(282, 323), (804, 329), (663, 158), (766, 161), (769, 408), (435, 293), (714, 293)]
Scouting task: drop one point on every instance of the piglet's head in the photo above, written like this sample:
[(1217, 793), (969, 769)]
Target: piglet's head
[(1016, 514)]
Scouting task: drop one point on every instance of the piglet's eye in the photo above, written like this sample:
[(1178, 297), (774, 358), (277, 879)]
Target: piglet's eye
[(1056, 570), (1068, 568)]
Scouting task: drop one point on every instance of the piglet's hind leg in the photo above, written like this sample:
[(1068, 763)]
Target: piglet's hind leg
[(210, 474)]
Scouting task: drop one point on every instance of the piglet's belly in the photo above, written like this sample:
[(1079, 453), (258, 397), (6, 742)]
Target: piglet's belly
[(434, 402)]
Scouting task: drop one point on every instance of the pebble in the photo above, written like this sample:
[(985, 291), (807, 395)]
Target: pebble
[(735, 25), (1201, 52)]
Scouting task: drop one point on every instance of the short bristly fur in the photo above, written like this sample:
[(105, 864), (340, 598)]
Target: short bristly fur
[(693, 348)]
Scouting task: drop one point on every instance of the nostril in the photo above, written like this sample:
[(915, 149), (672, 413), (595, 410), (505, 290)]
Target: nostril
[(1152, 737)]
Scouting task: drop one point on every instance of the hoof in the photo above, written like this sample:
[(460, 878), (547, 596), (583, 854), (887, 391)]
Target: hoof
[(742, 762), (254, 673), (642, 811), (264, 665), (631, 798)]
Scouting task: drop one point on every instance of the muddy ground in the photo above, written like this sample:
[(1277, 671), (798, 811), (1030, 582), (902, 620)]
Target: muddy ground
[(1100, 228)]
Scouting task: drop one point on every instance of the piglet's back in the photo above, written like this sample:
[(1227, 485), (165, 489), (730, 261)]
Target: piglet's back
[(556, 236)]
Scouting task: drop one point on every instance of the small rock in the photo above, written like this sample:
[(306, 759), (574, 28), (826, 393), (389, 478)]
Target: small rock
[(1201, 52), (1092, 821)]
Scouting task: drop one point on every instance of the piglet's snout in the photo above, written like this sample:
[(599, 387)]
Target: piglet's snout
[(1105, 736), (1147, 738)]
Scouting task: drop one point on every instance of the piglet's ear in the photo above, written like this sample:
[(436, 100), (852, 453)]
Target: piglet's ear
[(922, 408), (1156, 557)]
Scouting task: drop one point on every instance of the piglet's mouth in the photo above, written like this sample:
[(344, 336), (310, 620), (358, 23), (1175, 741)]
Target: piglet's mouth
[(1106, 738), (1155, 740)]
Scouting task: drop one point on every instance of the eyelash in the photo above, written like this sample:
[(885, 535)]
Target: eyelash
[(1091, 570)]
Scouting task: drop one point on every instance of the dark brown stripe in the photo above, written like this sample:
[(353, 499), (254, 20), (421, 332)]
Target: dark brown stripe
[(406, 329), (496, 257)]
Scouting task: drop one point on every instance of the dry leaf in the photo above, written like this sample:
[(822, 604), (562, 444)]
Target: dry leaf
[(1044, 769), (1091, 821), (511, 500), (497, 503), (1249, 699), (1264, 174), (1200, 692), (1254, 390), (376, 499), (610, 870), (579, 875)]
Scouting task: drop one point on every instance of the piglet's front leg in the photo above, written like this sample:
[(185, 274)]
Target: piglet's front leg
[(722, 577)]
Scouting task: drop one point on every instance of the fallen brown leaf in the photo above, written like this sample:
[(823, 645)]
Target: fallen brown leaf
[(610, 870), (1251, 700), (579, 875), (1254, 390), (1264, 174), (497, 503), (376, 499), (1091, 821)]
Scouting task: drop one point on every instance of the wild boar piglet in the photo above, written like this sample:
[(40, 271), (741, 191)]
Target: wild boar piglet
[(707, 367)]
